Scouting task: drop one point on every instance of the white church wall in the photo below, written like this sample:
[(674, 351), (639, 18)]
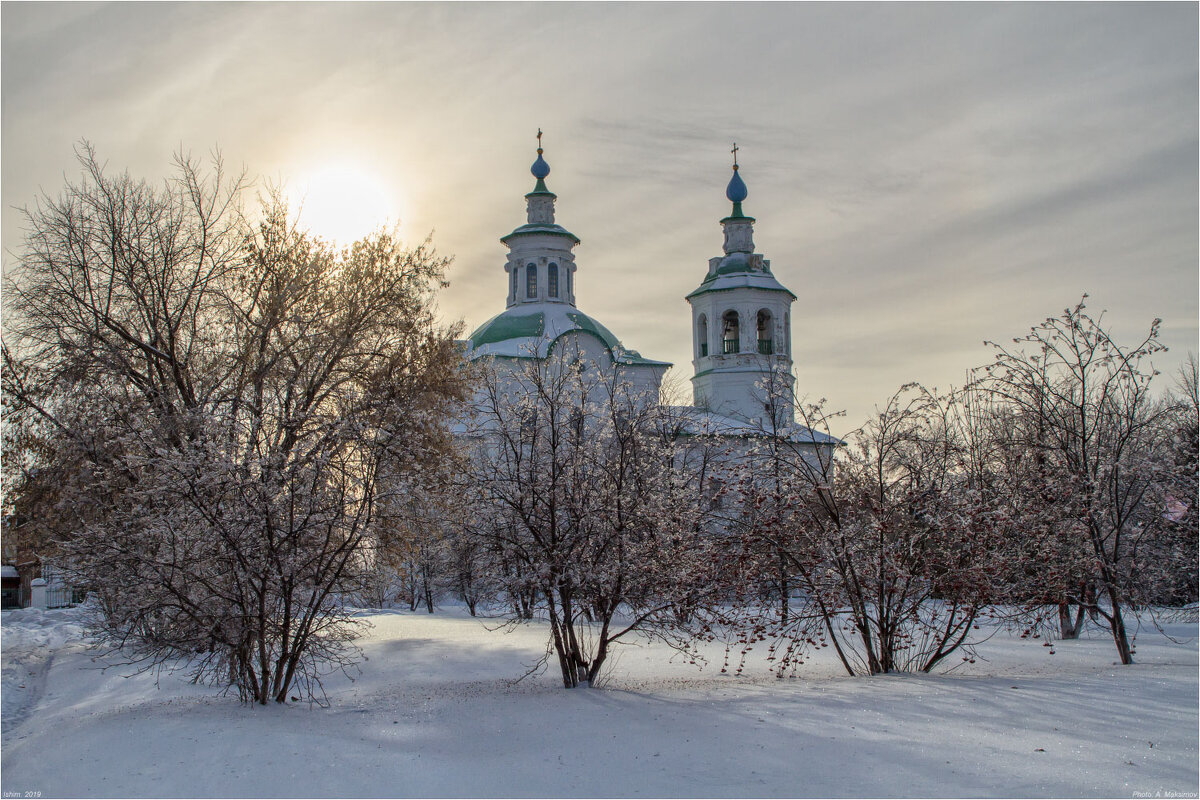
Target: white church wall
[(541, 251), (644, 381)]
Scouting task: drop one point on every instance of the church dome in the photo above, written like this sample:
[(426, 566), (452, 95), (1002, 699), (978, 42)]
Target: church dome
[(541, 294), (531, 331), (736, 190)]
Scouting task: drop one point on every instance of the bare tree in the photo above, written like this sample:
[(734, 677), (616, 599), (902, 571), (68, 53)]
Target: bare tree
[(590, 507), (1090, 422), (414, 531), (890, 541), (233, 394), (473, 565), (1044, 532), (1181, 530)]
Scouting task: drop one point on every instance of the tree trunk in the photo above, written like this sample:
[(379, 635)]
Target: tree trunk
[(566, 661), (785, 589), (1067, 629), (1120, 636), (1089, 594), (524, 603)]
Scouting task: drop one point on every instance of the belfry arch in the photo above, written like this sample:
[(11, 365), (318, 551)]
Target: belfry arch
[(765, 332), (731, 332)]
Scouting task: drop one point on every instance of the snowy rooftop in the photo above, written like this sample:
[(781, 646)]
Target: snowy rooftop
[(545, 229), (735, 278)]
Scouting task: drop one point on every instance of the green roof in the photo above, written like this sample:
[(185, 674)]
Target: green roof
[(637, 359), (509, 326), (516, 335), (533, 229), (707, 290), (729, 269), (540, 190), (737, 215), (590, 325)]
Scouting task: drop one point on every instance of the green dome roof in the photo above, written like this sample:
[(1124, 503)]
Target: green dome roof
[(534, 228), (529, 331)]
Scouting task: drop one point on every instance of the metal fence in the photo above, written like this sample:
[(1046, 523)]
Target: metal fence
[(59, 596)]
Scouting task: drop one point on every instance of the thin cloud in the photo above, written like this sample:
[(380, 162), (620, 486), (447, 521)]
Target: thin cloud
[(924, 175)]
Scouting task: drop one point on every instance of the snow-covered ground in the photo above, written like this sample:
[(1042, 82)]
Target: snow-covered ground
[(433, 713)]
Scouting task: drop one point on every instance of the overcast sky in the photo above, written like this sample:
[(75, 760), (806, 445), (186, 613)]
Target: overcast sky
[(924, 176)]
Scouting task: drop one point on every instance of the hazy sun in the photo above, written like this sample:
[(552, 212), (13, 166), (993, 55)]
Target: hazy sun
[(342, 203)]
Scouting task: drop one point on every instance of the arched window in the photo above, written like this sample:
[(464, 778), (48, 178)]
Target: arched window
[(552, 280), (568, 282), (732, 335), (528, 423), (715, 487), (766, 335), (702, 335), (514, 282), (787, 333), (531, 280)]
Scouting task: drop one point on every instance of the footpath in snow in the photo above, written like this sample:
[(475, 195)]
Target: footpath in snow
[(434, 712)]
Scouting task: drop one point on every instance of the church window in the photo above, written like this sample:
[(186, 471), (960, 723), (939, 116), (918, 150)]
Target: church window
[(552, 280), (715, 492), (531, 281), (732, 334), (766, 336), (528, 423), (514, 282), (568, 283), (702, 335), (787, 333)]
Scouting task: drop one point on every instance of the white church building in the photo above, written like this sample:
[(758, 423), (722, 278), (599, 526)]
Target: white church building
[(741, 321)]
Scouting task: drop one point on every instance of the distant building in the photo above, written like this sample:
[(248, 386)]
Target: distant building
[(741, 321), (540, 312)]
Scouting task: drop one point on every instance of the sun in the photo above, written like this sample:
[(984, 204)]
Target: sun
[(342, 203)]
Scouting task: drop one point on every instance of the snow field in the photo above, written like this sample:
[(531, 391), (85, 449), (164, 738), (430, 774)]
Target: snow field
[(433, 712)]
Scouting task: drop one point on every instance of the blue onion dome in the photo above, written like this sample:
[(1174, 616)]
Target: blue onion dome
[(540, 168), (736, 190)]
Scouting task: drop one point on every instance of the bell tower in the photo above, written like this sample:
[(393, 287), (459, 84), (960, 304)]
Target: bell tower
[(541, 261), (741, 326)]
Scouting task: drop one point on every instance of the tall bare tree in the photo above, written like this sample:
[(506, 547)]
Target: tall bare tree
[(583, 494), (890, 541), (1181, 538), (232, 392), (1090, 420)]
